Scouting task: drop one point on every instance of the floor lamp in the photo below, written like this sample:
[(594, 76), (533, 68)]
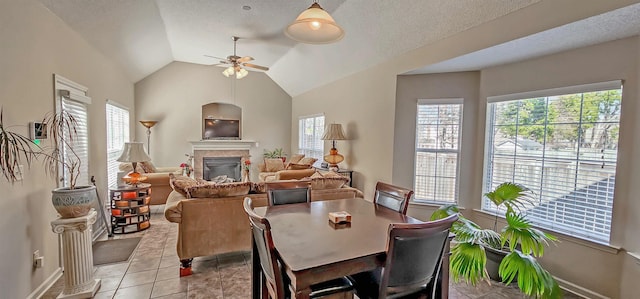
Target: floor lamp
[(148, 124)]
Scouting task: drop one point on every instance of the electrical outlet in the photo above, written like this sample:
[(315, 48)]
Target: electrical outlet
[(38, 260)]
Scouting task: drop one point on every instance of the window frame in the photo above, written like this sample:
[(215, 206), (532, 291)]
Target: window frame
[(111, 161), (317, 150), (457, 151), (556, 227)]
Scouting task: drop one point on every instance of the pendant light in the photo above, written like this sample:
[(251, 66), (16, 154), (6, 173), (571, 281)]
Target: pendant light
[(314, 26)]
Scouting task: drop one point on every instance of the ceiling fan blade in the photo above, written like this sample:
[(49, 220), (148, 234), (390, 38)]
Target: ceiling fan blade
[(219, 58), (255, 66), (245, 59)]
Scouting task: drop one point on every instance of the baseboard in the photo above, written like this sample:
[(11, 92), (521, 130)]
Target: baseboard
[(578, 290), (37, 293)]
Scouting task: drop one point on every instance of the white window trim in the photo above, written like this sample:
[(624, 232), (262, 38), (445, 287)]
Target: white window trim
[(582, 88), (307, 117), (441, 101)]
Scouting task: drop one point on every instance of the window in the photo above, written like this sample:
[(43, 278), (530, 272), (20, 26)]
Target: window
[(117, 135), (563, 145), (437, 150), (310, 141), (72, 98)]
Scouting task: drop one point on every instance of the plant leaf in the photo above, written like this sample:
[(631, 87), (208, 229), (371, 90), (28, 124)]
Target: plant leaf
[(520, 231), (512, 196), (468, 262), (533, 280)]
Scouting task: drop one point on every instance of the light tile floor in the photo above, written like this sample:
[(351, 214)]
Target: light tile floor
[(153, 272)]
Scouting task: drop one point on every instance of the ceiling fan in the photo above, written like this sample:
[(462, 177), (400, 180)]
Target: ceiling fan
[(237, 64)]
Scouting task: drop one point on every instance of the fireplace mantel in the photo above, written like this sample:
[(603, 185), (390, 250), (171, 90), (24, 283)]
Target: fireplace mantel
[(218, 148), (205, 145)]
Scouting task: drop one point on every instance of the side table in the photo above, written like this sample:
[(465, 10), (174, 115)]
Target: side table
[(130, 210), (343, 172)]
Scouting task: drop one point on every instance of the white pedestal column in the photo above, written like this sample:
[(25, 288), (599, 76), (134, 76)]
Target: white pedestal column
[(77, 255)]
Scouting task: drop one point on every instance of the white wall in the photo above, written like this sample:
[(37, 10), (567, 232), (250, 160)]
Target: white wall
[(174, 96), (35, 45)]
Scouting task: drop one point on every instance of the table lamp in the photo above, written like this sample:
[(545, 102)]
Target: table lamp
[(333, 132), (133, 152)]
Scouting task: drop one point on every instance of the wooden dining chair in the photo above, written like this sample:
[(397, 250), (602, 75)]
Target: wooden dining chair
[(413, 261), (274, 277), (392, 197), (288, 192)]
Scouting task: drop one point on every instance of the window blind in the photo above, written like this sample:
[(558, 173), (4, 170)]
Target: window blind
[(438, 124), (563, 147), (311, 129), (117, 135), (80, 143)]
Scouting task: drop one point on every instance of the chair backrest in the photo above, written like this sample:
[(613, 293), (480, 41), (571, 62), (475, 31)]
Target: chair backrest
[(392, 197), (414, 255), (261, 230), (281, 193)]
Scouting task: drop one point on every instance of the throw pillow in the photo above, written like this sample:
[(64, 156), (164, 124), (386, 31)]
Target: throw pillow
[(295, 166), (219, 190), (273, 164), (181, 183), (316, 175), (260, 187), (295, 158), (308, 160), (328, 183), (148, 167)]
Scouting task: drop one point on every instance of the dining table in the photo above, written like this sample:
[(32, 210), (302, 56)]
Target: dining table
[(312, 249)]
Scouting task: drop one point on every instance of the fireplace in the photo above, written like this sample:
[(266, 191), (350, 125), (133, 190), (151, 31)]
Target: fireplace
[(216, 166), (219, 149)]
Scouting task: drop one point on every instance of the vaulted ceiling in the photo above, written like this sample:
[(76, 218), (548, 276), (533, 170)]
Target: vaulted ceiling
[(145, 35)]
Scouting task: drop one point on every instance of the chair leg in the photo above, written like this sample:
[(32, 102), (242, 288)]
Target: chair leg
[(185, 267)]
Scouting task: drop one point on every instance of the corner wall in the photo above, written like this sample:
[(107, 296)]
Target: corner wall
[(174, 96), (35, 45)]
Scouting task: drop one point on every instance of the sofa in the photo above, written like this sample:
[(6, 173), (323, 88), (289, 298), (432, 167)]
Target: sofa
[(158, 177), (215, 225), (276, 169)]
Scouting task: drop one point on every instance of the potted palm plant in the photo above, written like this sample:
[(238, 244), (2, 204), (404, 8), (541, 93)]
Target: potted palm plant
[(71, 200), (511, 252)]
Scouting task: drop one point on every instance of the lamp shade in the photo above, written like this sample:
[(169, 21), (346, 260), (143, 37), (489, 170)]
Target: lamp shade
[(148, 123), (334, 132), (314, 26), (133, 152)]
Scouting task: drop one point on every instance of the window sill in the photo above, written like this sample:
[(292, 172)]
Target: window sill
[(564, 237), (635, 255), (433, 204)]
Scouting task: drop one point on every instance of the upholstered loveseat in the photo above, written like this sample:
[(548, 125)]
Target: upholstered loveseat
[(210, 226), (275, 169), (158, 177)]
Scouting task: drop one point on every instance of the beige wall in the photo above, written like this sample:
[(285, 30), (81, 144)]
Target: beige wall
[(463, 85), (35, 45), (174, 96)]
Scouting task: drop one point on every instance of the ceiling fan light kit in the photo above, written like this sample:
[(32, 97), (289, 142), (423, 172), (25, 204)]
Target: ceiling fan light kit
[(314, 26)]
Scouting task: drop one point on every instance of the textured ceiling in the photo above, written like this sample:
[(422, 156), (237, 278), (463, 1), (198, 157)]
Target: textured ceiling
[(145, 35)]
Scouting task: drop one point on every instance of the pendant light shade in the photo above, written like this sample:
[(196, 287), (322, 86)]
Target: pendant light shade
[(315, 26)]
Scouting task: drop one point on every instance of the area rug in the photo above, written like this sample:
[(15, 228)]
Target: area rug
[(114, 251)]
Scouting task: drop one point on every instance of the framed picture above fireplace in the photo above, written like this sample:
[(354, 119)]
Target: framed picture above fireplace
[(215, 128)]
